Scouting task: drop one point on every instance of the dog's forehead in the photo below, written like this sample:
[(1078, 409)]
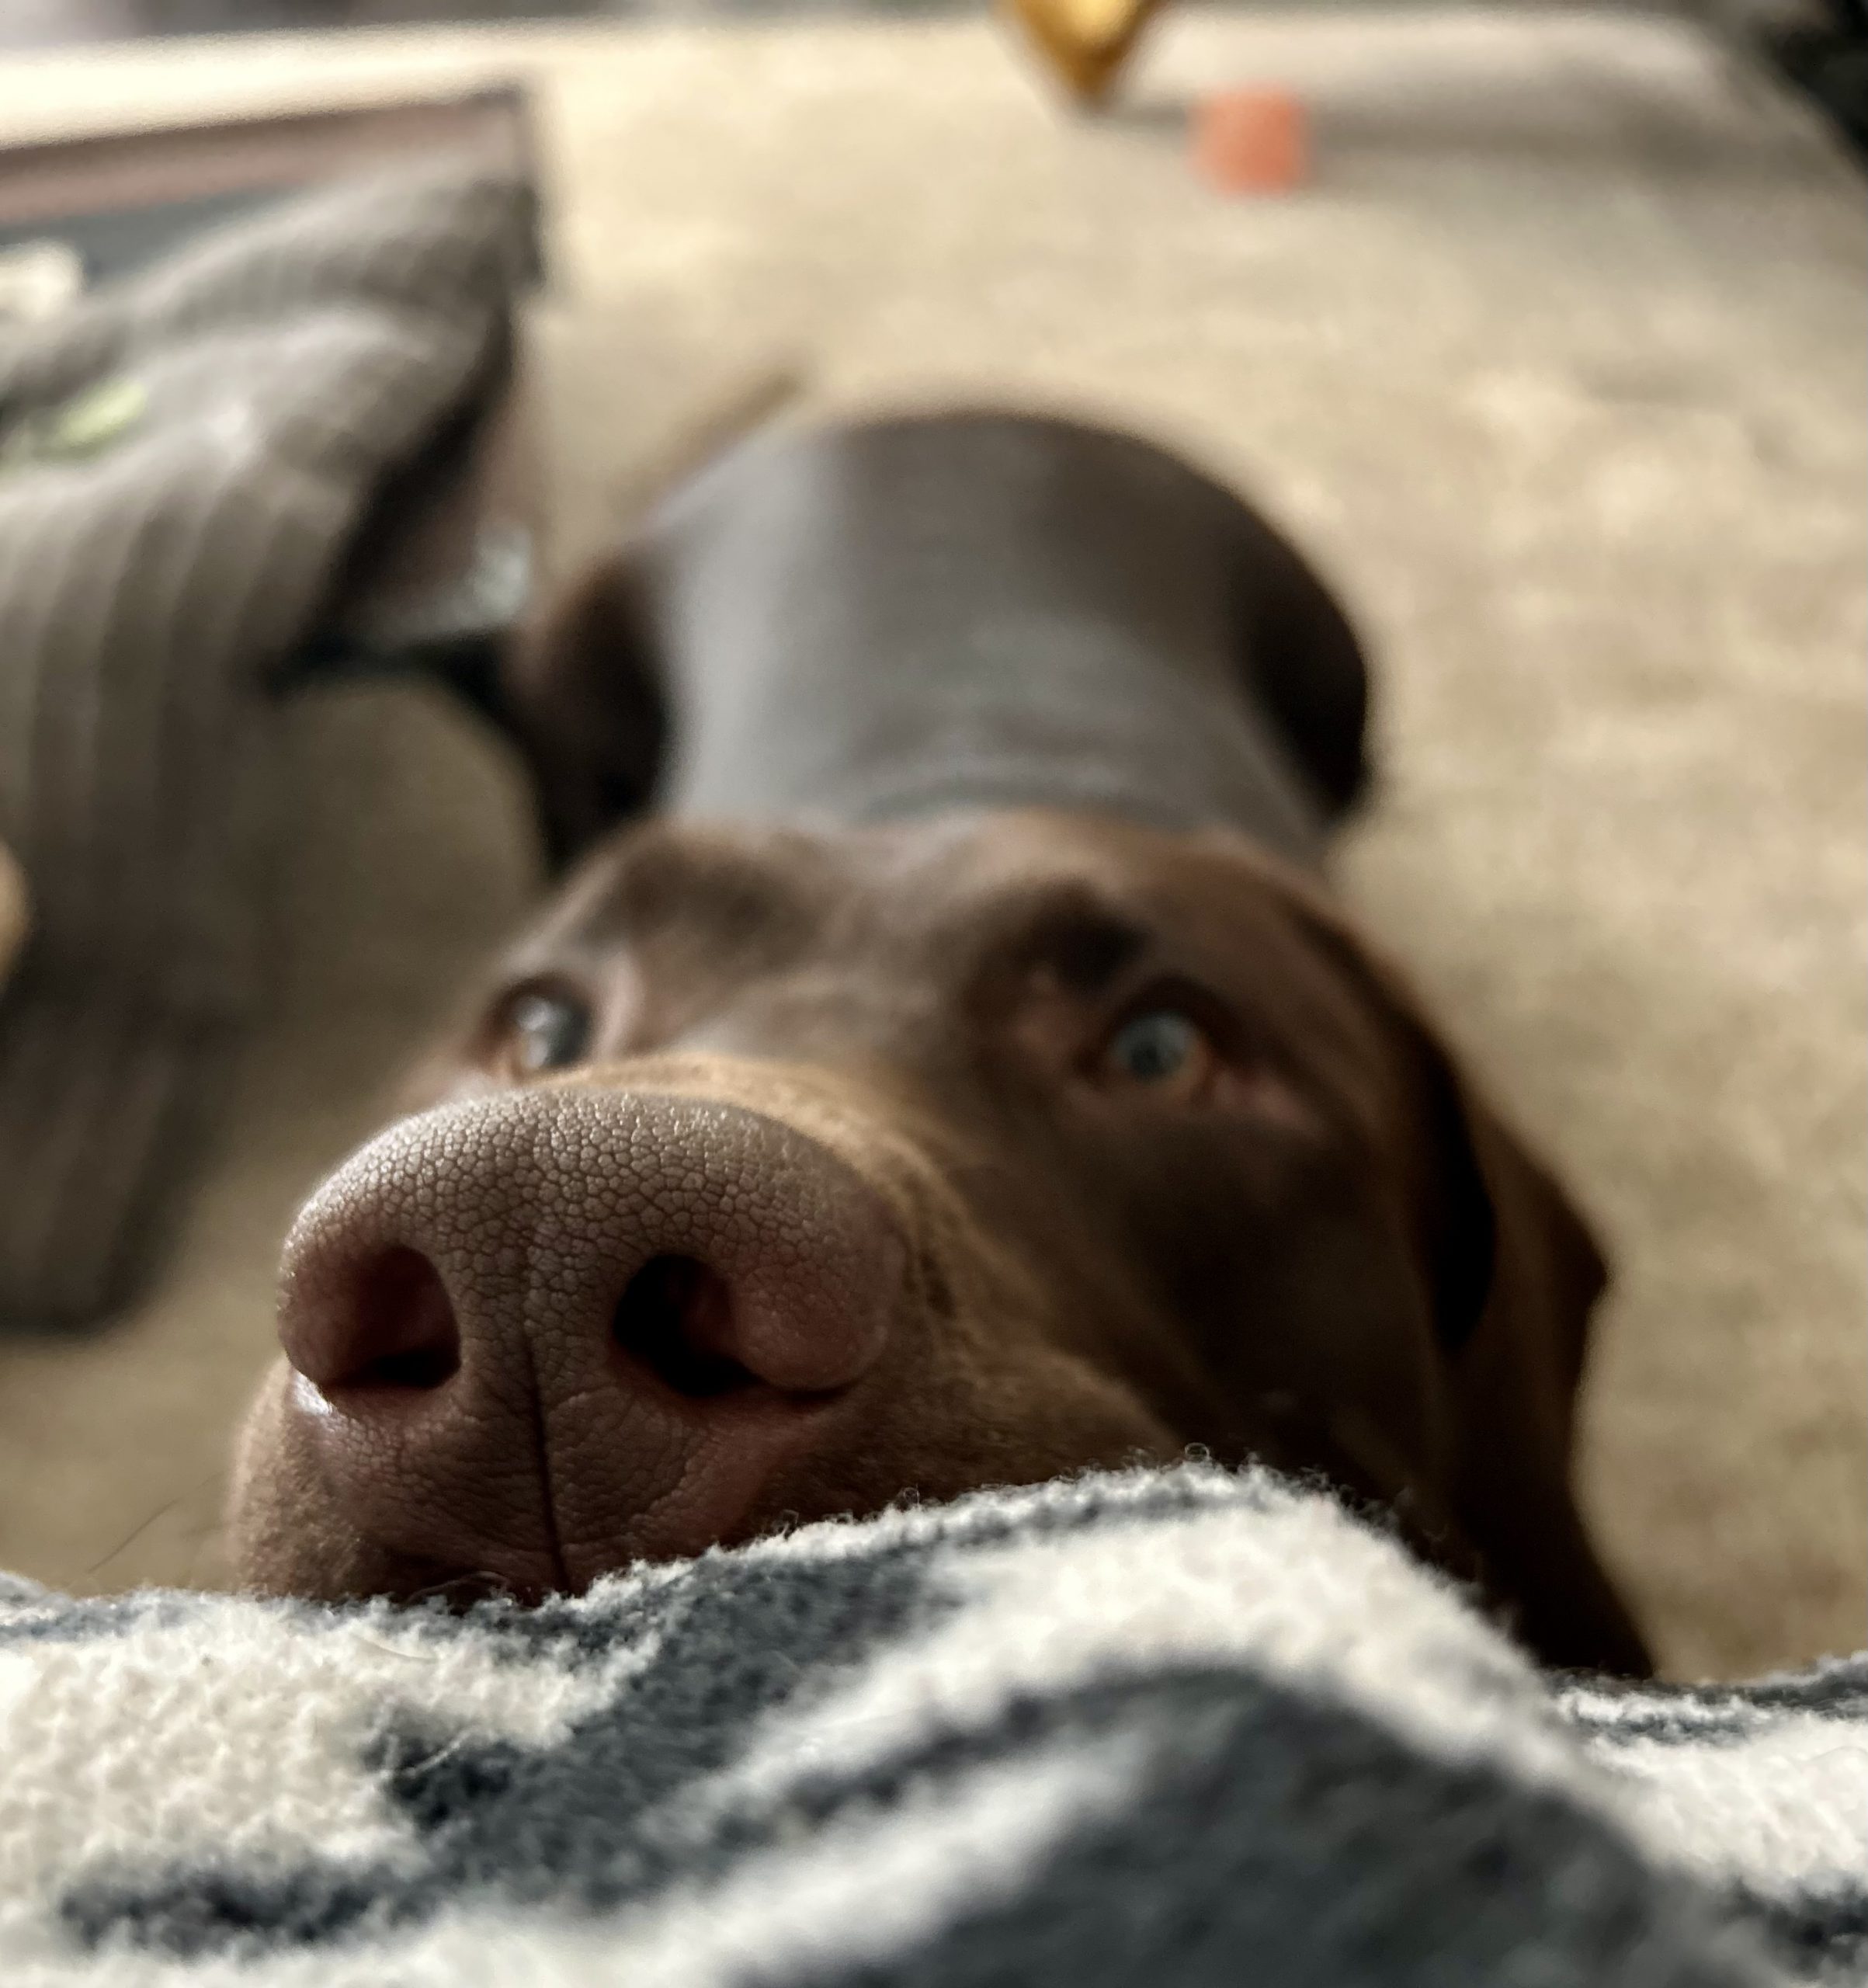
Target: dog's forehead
[(981, 878)]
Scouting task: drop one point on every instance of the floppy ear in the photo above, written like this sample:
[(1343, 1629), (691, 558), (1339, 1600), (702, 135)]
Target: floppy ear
[(1513, 1273), (578, 690), (579, 695)]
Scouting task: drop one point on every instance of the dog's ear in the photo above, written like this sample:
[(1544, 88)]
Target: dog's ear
[(580, 697), (1512, 1272), (578, 690)]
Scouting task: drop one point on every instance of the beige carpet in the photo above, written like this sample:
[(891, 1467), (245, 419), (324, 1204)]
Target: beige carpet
[(1557, 367)]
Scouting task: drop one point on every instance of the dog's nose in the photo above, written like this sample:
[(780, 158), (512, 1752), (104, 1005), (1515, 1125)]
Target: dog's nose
[(539, 1335)]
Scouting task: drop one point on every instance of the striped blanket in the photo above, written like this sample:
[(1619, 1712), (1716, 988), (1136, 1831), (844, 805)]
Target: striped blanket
[(1159, 1728)]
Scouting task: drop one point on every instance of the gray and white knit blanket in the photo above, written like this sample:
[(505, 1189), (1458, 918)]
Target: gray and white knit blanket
[(1154, 1728)]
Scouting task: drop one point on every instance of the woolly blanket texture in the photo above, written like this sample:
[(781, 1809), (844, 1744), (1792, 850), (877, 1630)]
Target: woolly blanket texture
[(1171, 1727)]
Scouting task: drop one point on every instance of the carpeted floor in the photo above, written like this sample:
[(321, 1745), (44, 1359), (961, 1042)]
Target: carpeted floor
[(1557, 367)]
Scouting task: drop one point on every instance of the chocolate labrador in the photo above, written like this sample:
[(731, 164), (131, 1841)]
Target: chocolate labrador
[(951, 1072)]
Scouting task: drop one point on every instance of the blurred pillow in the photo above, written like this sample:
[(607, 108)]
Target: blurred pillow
[(13, 912), (185, 463)]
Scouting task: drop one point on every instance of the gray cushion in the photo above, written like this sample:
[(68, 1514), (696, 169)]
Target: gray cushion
[(184, 464)]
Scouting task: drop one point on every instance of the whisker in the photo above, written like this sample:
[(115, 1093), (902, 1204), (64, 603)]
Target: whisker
[(161, 1512)]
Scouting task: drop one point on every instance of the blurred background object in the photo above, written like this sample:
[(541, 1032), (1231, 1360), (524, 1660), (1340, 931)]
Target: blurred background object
[(448, 556), (1084, 42), (16, 911), (37, 278), (43, 23), (1251, 141), (1821, 45), (1553, 363), (114, 201), (269, 437)]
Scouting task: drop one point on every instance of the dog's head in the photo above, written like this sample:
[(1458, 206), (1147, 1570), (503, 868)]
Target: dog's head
[(780, 1174)]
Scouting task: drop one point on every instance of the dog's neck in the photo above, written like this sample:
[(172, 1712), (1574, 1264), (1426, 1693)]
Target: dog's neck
[(840, 651), (977, 710)]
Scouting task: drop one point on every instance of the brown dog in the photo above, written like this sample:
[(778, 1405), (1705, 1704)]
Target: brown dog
[(962, 1079)]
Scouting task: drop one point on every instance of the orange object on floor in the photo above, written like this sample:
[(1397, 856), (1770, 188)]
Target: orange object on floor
[(1252, 140)]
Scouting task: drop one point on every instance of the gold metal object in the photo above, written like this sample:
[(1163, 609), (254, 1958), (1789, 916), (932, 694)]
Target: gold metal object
[(1084, 42)]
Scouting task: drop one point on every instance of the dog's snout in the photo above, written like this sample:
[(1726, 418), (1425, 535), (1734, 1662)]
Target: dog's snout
[(538, 1335)]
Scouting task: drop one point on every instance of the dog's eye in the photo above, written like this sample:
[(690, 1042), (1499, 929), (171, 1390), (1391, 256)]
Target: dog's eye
[(545, 1028), (1167, 1051)]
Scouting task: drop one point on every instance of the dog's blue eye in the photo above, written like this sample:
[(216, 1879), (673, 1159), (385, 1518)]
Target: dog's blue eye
[(549, 1031), (1156, 1048)]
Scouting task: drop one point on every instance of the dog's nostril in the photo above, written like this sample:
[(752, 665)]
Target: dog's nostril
[(676, 1317), (406, 1334)]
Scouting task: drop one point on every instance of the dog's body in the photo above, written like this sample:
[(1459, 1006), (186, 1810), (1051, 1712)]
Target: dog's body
[(959, 1079), (877, 623)]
